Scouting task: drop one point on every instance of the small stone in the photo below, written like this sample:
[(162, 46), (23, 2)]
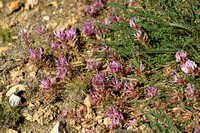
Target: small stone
[(45, 18), (87, 102), (37, 103), (32, 74), (54, 3), (71, 21), (32, 2), (106, 122), (27, 7), (48, 26), (99, 119), (31, 105), (57, 128), (54, 25), (15, 5), (71, 5), (16, 89), (14, 100), (1, 4), (14, 37), (11, 131), (3, 49)]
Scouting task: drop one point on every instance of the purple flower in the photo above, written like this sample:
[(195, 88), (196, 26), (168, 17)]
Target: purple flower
[(65, 112), (116, 84), (55, 46), (93, 65), (128, 88), (181, 56), (89, 29), (133, 23), (60, 35), (36, 55), (177, 78), (141, 66), (61, 62), (24, 34), (67, 36), (115, 18), (48, 83), (129, 69), (62, 73), (94, 8), (188, 67), (138, 35), (190, 90), (40, 30), (107, 50), (116, 117), (152, 91), (71, 36), (115, 67), (99, 81), (101, 30)]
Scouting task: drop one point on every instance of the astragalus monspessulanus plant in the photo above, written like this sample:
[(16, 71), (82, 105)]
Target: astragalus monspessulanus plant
[(164, 36), (149, 79)]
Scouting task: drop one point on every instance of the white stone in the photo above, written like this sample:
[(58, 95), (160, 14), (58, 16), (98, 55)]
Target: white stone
[(57, 128), (32, 2), (16, 88), (14, 100), (45, 18), (1, 4)]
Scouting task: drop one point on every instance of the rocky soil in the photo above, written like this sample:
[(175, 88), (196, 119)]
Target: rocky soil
[(18, 74)]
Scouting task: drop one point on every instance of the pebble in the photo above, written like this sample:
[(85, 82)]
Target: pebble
[(14, 100), (32, 2), (11, 131), (15, 5), (1, 4), (57, 128), (45, 18), (16, 89)]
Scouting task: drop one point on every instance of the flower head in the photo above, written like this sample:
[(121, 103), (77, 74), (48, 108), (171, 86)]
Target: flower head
[(24, 34), (115, 67), (177, 78), (115, 116), (188, 67), (62, 73), (116, 83), (181, 56), (40, 30), (61, 62), (152, 91), (94, 8), (93, 65), (48, 83), (36, 55), (190, 90), (99, 80), (67, 36), (89, 29)]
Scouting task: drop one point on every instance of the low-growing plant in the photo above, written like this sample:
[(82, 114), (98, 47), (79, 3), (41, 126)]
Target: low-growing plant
[(9, 116)]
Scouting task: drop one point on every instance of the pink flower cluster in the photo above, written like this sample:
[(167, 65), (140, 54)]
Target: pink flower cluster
[(116, 117), (187, 66), (94, 8)]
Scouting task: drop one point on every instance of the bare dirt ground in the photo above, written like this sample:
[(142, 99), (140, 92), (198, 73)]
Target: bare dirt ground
[(38, 114)]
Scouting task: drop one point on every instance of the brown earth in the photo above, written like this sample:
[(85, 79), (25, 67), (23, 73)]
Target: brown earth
[(39, 114)]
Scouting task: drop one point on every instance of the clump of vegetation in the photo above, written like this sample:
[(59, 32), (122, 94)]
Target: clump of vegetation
[(5, 35), (10, 117), (148, 78)]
